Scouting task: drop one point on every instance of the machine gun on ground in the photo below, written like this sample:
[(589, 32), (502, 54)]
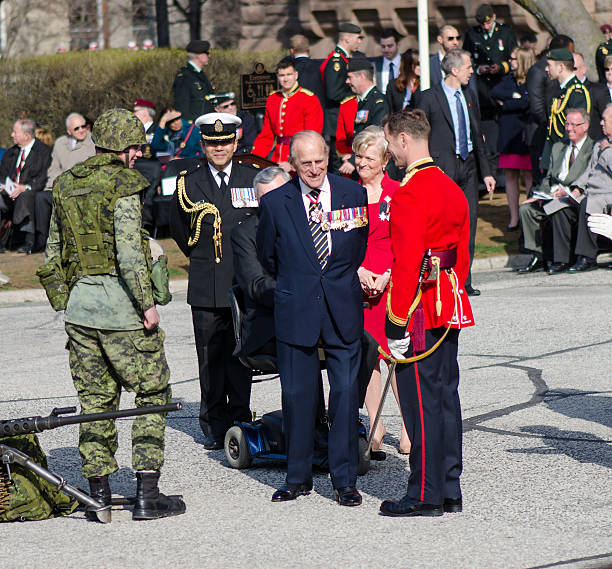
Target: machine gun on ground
[(12, 430)]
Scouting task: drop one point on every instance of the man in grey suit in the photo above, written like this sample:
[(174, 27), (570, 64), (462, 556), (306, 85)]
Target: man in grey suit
[(595, 185), (561, 176)]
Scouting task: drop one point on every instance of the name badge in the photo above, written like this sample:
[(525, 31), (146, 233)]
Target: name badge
[(384, 209), (244, 197), (362, 116), (345, 219)]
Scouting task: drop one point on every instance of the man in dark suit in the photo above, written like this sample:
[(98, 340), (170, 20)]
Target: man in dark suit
[(456, 141), (256, 284), (192, 88), (387, 66), (448, 38), (561, 175), (312, 238), (23, 172), (309, 74), (210, 200)]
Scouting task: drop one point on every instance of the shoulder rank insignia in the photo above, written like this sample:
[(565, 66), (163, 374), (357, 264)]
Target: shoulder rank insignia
[(336, 66), (307, 91)]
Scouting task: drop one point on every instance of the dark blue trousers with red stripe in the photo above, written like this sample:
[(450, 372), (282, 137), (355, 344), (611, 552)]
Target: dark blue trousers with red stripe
[(432, 414)]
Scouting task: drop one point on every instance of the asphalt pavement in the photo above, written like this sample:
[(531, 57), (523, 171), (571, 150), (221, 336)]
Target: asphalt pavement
[(536, 394)]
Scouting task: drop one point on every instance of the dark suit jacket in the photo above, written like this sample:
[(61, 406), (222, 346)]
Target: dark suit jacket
[(34, 174), (442, 136), (309, 77), (600, 97), (257, 286), (286, 251), (435, 77), (209, 282)]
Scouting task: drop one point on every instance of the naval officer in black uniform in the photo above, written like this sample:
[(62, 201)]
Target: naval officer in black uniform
[(192, 88), (211, 198)]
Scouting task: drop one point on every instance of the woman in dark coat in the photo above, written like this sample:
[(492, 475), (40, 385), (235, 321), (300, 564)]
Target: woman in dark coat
[(400, 92), (513, 100)]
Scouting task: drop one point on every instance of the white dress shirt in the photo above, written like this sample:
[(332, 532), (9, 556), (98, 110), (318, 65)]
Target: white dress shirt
[(217, 178), (565, 164), (324, 200), (24, 152), (384, 72)]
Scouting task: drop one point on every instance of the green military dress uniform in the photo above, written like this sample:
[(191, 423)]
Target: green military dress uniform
[(603, 50), (95, 235), (371, 110), (488, 49), (192, 92), (335, 73)]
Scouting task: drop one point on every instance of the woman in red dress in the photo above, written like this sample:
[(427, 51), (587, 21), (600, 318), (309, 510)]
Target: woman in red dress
[(371, 157)]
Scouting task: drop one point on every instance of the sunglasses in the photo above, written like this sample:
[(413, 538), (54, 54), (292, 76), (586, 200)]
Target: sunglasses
[(607, 68), (80, 127), (453, 38)]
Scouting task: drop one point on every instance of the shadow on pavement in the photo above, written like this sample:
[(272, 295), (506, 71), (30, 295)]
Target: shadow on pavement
[(581, 405)]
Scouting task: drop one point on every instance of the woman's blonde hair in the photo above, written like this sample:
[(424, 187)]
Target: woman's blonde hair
[(525, 58), (371, 136)]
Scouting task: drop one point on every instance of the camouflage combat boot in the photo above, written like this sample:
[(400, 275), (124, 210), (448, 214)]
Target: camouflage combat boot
[(150, 502), (99, 490)]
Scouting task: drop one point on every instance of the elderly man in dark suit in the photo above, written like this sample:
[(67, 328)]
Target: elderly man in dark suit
[(550, 196), (456, 142), (23, 172), (210, 200), (312, 238), (256, 284)]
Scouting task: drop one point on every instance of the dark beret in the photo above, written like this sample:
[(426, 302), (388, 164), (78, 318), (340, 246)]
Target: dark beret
[(484, 13), (560, 54), (359, 64), (606, 28), (349, 28), (198, 46)]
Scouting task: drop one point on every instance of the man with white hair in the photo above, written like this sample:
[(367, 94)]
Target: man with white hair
[(73, 147), (192, 88)]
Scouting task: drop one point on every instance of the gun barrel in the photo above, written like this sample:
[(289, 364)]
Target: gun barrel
[(39, 424)]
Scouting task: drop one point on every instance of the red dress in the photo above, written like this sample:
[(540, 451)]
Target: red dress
[(378, 259)]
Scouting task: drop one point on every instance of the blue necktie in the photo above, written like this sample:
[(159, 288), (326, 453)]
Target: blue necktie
[(463, 139), (391, 71)]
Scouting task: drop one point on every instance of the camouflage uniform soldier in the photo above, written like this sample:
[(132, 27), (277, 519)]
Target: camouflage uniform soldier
[(111, 319)]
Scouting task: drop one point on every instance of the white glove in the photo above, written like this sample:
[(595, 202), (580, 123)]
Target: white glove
[(398, 348), (601, 223)]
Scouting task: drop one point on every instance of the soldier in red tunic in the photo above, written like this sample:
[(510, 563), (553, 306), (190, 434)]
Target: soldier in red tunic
[(426, 307), (288, 111), (346, 126)]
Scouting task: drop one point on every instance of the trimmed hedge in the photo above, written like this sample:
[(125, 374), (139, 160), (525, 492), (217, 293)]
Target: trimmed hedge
[(47, 88)]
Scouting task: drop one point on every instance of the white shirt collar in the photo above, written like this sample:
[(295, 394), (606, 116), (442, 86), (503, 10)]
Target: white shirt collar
[(396, 63), (25, 150), (324, 187), (194, 66), (364, 95), (147, 125), (579, 144), (562, 85), (215, 173)]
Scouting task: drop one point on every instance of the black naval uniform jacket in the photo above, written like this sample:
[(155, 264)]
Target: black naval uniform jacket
[(603, 50), (335, 73), (209, 282), (370, 110), (495, 48), (190, 89)]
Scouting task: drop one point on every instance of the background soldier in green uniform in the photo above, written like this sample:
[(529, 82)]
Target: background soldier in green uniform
[(334, 71), (603, 50), (192, 88), (573, 95), (111, 319)]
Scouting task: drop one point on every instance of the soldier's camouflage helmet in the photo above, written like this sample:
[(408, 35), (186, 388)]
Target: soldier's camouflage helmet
[(116, 129)]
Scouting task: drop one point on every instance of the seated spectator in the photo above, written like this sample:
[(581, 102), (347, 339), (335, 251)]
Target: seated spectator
[(45, 136), (176, 137), (513, 100), (400, 92), (551, 195), (257, 285), (226, 103), (24, 168), (371, 158), (73, 147), (596, 187)]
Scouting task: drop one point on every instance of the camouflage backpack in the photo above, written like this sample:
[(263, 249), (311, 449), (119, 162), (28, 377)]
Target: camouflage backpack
[(26, 496)]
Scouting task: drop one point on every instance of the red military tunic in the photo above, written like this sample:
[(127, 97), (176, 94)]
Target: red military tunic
[(346, 126), (428, 211), (285, 115)]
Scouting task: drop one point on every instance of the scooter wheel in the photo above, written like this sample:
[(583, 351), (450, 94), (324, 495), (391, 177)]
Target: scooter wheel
[(237, 448), (364, 459)]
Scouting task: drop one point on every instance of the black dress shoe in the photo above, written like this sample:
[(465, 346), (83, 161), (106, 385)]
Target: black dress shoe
[(378, 455), (453, 505), (583, 264), (291, 492), (513, 227), (212, 443), (557, 268), (347, 496), (408, 506), (24, 249), (535, 264), (472, 291)]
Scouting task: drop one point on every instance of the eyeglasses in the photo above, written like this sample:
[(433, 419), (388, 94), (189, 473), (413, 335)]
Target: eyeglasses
[(574, 124), (80, 127), (513, 58)]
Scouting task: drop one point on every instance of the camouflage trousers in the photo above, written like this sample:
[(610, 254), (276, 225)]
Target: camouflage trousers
[(104, 361)]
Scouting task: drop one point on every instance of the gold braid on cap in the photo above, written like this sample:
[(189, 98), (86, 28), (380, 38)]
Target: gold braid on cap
[(198, 211)]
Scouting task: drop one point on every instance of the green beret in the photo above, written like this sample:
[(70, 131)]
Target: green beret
[(349, 28), (561, 54), (359, 64)]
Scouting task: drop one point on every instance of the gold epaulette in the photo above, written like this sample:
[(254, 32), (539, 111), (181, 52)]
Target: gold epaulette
[(379, 101), (347, 99), (307, 91)]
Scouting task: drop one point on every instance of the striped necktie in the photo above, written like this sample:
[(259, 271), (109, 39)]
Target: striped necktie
[(319, 237), (20, 164)]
